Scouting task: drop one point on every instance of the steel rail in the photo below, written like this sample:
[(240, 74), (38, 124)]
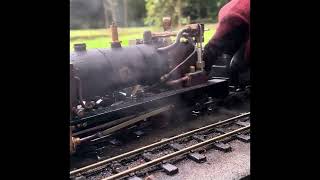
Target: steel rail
[(74, 172), (174, 154)]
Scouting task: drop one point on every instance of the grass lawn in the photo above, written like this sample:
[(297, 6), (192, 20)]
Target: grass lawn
[(100, 38)]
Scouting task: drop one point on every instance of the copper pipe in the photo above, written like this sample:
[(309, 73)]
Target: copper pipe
[(177, 81)]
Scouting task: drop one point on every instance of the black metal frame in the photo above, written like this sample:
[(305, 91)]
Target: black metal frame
[(216, 88)]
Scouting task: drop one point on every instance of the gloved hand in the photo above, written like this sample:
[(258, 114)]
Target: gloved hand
[(238, 62), (209, 57), (238, 66)]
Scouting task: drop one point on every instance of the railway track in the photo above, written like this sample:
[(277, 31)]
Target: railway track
[(164, 154)]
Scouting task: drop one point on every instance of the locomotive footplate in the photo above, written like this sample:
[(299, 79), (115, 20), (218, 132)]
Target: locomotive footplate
[(214, 88)]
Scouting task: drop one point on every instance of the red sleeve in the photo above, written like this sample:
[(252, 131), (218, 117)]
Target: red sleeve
[(233, 27), (239, 8)]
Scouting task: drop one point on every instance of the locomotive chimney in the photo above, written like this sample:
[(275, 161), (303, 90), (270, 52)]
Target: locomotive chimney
[(80, 47), (114, 35), (147, 37)]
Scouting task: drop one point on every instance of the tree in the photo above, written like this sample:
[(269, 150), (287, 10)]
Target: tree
[(106, 8), (125, 10), (182, 9), (157, 9), (117, 11), (100, 13), (86, 14), (136, 12)]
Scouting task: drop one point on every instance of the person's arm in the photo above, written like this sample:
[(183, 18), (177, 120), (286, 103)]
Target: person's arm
[(231, 33)]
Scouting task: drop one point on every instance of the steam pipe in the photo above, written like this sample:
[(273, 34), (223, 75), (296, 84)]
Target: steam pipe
[(171, 46), (177, 81), (166, 76)]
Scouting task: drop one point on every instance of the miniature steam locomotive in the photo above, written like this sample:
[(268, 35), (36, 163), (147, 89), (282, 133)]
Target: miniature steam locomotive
[(109, 84)]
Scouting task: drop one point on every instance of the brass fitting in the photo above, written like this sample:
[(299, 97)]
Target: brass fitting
[(192, 69), (200, 65), (73, 142), (114, 32), (166, 23), (115, 43)]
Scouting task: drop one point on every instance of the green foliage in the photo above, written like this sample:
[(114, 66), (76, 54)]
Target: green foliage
[(157, 9), (194, 10), (100, 38), (90, 14), (136, 12)]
